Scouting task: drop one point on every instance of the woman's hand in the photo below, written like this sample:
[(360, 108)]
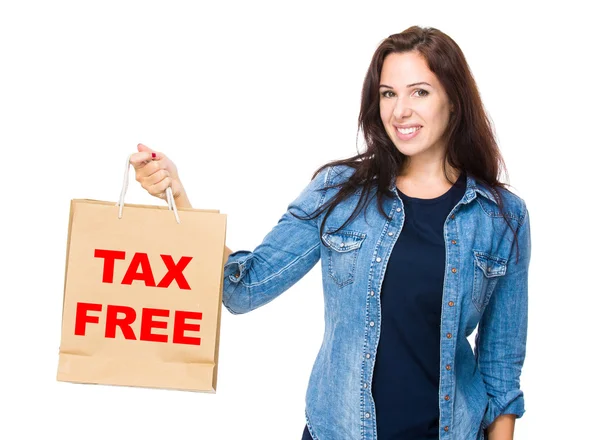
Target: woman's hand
[(156, 172)]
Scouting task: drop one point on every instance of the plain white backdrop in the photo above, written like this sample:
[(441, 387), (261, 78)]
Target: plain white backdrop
[(248, 99)]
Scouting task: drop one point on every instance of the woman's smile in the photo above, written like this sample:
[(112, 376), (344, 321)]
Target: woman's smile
[(406, 134)]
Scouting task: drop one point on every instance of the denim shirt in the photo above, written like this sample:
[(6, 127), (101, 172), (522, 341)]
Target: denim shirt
[(484, 287)]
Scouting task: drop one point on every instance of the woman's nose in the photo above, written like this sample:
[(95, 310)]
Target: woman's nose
[(401, 109)]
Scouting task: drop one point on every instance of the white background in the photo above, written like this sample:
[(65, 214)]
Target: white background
[(248, 99)]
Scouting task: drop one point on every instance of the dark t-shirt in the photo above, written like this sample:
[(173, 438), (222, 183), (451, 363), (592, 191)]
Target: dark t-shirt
[(406, 375)]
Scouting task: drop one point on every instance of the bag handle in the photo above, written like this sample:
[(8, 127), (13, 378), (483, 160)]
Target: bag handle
[(121, 202)]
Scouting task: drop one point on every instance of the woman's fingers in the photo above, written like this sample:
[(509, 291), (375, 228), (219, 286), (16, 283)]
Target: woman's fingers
[(158, 189), (155, 172), (145, 149), (147, 168), (157, 183), (138, 160), (154, 178)]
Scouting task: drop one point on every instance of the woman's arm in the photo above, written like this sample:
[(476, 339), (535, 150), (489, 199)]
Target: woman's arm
[(502, 428), (253, 278), (501, 338)]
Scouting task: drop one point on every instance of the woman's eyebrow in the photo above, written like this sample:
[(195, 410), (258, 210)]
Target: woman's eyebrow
[(408, 86)]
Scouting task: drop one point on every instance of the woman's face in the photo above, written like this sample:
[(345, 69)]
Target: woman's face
[(404, 103)]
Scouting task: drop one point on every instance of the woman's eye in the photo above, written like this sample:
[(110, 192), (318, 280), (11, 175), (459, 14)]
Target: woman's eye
[(421, 93)]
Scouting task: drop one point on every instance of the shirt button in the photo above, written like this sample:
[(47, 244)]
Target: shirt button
[(398, 209), (365, 386), (447, 397), (454, 270), (448, 367), (446, 428), (448, 335), (378, 259), (343, 244), (372, 324), (372, 293), (452, 216), (368, 356), (367, 415), (453, 241), (390, 233), (451, 303), (237, 275)]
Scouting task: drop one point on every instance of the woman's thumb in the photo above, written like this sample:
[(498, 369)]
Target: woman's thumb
[(142, 147)]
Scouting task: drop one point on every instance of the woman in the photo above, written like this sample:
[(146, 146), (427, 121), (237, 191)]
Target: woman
[(440, 246)]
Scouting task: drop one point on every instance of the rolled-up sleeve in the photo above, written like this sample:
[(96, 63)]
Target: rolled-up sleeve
[(287, 253), (502, 334)]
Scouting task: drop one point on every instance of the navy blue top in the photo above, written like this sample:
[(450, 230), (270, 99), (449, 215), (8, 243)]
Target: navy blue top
[(406, 375)]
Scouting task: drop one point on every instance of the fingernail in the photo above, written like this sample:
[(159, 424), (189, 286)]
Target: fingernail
[(153, 155)]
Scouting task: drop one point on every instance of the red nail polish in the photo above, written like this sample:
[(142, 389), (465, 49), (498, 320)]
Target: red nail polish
[(153, 155)]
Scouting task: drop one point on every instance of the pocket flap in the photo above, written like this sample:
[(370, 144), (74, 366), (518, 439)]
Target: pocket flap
[(491, 265), (344, 241)]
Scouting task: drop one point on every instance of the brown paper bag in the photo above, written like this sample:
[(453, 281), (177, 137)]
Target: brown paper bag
[(142, 295)]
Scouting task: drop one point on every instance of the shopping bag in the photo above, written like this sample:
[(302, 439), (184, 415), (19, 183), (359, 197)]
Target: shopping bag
[(142, 295)]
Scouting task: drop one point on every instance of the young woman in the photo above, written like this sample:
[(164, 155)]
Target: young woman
[(419, 243)]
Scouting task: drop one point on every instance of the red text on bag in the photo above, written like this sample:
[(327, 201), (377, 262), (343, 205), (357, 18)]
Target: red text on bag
[(148, 323), (140, 262)]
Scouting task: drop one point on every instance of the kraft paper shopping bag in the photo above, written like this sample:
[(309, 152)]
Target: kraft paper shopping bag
[(142, 295)]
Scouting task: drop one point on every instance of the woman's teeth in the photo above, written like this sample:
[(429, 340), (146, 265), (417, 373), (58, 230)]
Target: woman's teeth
[(408, 130)]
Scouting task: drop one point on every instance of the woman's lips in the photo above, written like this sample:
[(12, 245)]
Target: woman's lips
[(406, 137)]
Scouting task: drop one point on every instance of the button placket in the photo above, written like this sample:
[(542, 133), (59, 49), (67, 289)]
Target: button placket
[(371, 337), (449, 314)]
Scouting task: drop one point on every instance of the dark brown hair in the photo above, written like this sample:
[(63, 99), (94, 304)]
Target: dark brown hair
[(470, 140)]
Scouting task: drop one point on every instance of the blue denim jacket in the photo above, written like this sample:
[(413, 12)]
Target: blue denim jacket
[(484, 286)]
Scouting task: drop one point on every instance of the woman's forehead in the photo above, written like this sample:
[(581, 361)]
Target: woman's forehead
[(404, 69)]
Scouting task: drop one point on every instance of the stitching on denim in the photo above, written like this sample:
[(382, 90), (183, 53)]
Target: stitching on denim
[(310, 428), (481, 279), (341, 283), (490, 213), (283, 269)]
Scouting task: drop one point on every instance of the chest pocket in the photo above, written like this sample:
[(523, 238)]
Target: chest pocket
[(341, 254), (487, 271)]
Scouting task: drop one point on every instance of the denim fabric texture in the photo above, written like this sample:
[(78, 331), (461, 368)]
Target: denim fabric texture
[(485, 287)]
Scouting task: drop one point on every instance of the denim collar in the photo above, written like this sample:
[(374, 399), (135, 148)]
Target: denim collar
[(473, 188)]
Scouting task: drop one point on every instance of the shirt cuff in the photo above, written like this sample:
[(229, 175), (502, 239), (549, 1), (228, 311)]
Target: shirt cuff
[(237, 265), (511, 403)]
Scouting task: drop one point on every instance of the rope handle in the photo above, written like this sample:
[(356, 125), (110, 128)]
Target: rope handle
[(121, 202)]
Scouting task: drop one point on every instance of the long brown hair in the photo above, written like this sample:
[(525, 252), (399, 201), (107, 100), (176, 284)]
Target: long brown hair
[(471, 144)]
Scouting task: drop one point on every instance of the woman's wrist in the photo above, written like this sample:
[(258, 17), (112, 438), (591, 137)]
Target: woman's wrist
[(181, 200)]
